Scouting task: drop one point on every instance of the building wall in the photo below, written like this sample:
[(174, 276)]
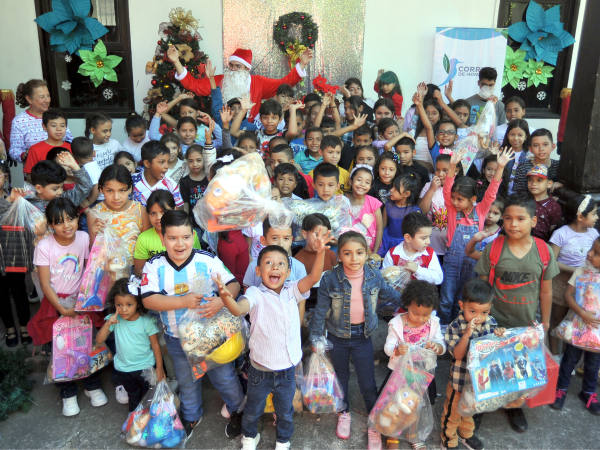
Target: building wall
[(399, 36)]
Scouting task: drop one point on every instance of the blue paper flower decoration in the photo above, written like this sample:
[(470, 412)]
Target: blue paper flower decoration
[(542, 36), (70, 27)]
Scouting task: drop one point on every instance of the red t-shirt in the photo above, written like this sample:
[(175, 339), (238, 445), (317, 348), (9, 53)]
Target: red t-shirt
[(38, 153)]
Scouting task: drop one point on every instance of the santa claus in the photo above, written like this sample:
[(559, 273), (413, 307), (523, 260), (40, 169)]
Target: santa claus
[(237, 81)]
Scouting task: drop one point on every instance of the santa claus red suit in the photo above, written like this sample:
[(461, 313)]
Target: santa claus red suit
[(236, 83)]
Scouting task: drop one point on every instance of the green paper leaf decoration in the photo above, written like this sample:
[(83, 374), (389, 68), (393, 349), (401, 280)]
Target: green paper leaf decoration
[(69, 27), (537, 73), (514, 67), (98, 65), (446, 64)]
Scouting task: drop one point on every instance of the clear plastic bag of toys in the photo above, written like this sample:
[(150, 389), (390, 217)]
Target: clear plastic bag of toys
[(213, 341), (397, 276), (238, 197), (107, 263), (478, 142), (321, 390), (74, 354), (572, 328), (337, 210), (512, 363), (403, 409), (468, 405), (155, 422), (21, 227)]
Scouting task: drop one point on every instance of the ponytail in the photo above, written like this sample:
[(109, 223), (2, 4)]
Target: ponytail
[(94, 121)]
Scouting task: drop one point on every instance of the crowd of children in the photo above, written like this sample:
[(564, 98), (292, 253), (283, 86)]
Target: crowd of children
[(487, 250)]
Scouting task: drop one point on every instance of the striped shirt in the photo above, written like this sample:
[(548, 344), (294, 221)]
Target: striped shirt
[(142, 190), (275, 325), (162, 276), (455, 331), (26, 130)]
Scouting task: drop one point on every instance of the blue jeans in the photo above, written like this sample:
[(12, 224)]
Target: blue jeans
[(458, 269), (591, 364), (223, 378), (363, 356), (282, 384)]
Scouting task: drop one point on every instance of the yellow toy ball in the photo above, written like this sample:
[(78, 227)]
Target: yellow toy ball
[(230, 350)]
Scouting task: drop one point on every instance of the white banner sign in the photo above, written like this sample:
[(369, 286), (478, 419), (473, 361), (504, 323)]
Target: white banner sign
[(460, 53)]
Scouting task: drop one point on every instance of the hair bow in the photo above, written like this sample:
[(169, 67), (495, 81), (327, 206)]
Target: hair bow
[(584, 204), (446, 151), (226, 159), (134, 285), (362, 166)]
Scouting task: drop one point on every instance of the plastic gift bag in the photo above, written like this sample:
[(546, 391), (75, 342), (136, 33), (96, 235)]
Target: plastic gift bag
[(403, 409), (469, 406), (587, 295), (513, 363), (238, 197), (209, 342), (21, 228), (321, 390), (108, 262), (397, 276), (336, 210), (479, 138), (74, 355), (155, 422)]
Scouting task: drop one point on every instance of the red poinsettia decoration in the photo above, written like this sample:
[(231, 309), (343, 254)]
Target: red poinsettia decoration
[(320, 84)]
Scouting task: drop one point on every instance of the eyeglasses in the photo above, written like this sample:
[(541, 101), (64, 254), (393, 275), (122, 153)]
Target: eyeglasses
[(449, 132)]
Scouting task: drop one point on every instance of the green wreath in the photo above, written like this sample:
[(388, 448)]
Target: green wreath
[(310, 31)]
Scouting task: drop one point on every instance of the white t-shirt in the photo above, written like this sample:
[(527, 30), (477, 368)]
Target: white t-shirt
[(105, 153), (134, 148), (573, 246), (255, 233), (438, 214), (66, 262), (93, 170)]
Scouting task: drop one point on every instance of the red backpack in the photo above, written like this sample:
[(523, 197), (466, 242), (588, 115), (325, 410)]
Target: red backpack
[(496, 251)]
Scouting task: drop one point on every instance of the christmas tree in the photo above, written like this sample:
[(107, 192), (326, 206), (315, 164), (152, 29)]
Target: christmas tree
[(180, 32)]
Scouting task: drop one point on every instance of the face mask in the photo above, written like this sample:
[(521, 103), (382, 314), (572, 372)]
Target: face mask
[(485, 92)]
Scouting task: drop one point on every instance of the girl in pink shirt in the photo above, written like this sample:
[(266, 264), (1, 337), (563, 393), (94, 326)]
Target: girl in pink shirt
[(463, 222), (364, 208)]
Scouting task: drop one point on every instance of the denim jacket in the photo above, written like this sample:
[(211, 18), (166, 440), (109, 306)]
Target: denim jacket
[(334, 296)]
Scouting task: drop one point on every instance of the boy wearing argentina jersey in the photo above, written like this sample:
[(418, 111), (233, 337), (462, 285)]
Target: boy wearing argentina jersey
[(166, 288)]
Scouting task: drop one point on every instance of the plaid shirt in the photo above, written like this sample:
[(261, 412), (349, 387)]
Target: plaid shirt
[(458, 370)]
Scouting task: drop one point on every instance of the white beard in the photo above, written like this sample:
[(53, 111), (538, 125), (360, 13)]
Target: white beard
[(235, 84)]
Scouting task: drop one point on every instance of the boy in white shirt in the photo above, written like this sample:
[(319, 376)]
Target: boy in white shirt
[(275, 345)]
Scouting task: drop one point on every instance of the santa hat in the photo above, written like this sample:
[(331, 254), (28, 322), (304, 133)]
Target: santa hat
[(242, 56)]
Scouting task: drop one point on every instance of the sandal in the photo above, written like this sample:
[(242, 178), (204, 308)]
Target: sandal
[(25, 338), (11, 341), (46, 350)]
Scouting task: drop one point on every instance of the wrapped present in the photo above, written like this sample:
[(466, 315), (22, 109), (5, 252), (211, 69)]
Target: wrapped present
[(238, 197), (403, 409), (514, 363), (321, 390)]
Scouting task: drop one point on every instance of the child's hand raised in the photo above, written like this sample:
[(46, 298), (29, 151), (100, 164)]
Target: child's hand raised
[(505, 156), (209, 130), (380, 72), (422, 89), (296, 104), (185, 95), (246, 103), (66, 159), (202, 117), (458, 156), (162, 108), (417, 99), (226, 114), (438, 96), (344, 91), (210, 70), (360, 120), (448, 89), (173, 54), (223, 291), (481, 235), (402, 349), (328, 99), (320, 243)]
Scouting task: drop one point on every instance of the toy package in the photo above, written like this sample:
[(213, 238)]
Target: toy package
[(503, 365), (573, 329), (479, 137), (209, 342), (403, 409), (337, 210), (106, 264), (238, 197), (155, 422), (21, 228), (74, 355), (321, 390)]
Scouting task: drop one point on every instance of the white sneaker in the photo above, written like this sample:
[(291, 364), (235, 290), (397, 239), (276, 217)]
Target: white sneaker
[(224, 412), (70, 407), (173, 384), (98, 397), (121, 395), (33, 297), (250, 443), (280, 446)]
